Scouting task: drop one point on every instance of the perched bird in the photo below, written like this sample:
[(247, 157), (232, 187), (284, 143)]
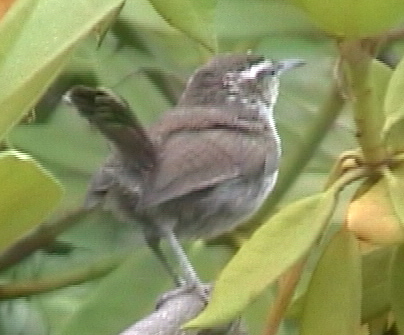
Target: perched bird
[(204, 167)]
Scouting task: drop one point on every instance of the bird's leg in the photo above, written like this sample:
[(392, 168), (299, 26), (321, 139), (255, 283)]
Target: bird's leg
[(188, 272), (154, 244)]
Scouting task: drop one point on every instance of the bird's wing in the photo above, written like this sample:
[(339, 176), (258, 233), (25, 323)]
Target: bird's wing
[(192, 162)]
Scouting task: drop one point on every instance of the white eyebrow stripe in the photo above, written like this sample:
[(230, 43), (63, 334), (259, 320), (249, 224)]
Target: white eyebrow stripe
[(253, 71)]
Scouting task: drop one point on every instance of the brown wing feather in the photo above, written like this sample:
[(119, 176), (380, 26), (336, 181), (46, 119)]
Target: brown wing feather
[(205, 160)]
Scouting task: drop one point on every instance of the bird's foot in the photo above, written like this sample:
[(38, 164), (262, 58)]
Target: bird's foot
[(200, 289)]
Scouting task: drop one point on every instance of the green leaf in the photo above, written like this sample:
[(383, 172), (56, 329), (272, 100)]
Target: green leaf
[(333, 298), (29, 60), (18, 13), (28, 194), (349, 18), (273, 248), (375, 283), (380, 75), (395, 185), (394, 96), (194, 18), (375, 287), (394, 108), (396, 287), (115, 303)]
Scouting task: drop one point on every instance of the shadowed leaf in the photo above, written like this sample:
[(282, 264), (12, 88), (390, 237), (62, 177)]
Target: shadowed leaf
[(333, 299), (112, 306), (396, 287), (192, 18)]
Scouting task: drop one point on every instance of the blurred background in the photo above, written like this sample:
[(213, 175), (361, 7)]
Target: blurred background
[(147, 61)]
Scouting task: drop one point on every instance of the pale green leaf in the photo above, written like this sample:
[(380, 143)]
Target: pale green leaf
[(358, 18), (273, 248), (395, 185), (375, 300), (394, 95), (394, 109), (393, 130), (380, 75), (396, 287), (29, 62), (375, 287), (333, 299), (28, 194), (194, 19)]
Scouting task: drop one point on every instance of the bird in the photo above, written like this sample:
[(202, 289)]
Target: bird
[(204, 167)]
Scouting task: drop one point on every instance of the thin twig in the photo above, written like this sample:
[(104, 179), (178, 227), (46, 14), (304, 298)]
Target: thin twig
[(73, 277), (286, 288), (39, 237)]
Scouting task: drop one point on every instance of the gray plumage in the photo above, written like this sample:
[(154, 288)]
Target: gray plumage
[(206, 165)]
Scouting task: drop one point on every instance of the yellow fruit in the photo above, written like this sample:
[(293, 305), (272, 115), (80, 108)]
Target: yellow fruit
[(371, 216)]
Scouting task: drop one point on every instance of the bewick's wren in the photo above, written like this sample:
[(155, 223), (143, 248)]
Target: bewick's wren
[(205, 167)]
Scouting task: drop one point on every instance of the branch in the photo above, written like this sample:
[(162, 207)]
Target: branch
[(94, 271), (175, 308), (39, 237)]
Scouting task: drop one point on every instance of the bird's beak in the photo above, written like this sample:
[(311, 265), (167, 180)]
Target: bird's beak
[(288, 64)]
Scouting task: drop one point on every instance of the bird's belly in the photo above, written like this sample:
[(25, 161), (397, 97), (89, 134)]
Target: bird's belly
[(220, 209), (201, 214)]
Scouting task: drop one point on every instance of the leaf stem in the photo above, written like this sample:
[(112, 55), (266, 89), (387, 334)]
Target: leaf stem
[(286, 288), (356, 65)]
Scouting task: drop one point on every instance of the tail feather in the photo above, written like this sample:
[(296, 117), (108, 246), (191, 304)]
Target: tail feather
[(114, 118)]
